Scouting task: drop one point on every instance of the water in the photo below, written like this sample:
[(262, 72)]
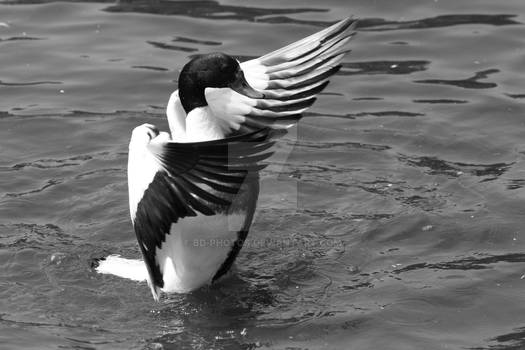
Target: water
[(392, 217)]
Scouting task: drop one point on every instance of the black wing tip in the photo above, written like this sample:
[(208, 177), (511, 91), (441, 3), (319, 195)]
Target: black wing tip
[(324, 75), (263, 133), (309, 92), (304, 103), (346, 24)]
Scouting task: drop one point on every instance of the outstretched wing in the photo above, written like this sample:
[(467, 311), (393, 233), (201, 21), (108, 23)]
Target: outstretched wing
[(190, 178), (290, 78)]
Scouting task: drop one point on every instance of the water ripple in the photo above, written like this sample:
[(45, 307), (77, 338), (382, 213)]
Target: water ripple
[(31, 83), (21, 38), (468, 83), (386, 114), (440, 101), (469, 263), (383, 67), (366, 114), (208, 9), (195, 41), (53, 163), (515, 184), (368, 99), (335, 146), (159, 69), (456, 169), (36, 236), (514, 341), (379, 205), (4, 318), (379, 24), (98, 172), (171, 47), (49, 183), (516, 96), (337, 216)]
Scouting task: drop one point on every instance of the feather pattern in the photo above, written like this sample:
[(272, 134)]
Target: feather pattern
[(191, 179), (201, 182), (289, 78)]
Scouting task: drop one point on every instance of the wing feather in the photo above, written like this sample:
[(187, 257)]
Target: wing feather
[(290, 78), (309, 43), (191, 178)]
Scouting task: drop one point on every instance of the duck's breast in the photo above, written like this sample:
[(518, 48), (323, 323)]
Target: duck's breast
[(200, 249)]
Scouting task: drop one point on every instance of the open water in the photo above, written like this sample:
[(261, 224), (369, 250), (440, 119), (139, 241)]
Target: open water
[(392, 217)]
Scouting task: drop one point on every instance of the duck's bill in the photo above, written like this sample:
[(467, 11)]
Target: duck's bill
[(241, 86)]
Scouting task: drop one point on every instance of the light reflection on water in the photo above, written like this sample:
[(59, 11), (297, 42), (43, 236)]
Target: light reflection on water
[(410, 165)]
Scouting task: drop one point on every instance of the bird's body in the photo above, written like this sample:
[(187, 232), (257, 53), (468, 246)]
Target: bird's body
[(193, 192)]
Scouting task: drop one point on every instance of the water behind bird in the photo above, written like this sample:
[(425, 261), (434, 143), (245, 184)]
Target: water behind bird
[(391, 218)]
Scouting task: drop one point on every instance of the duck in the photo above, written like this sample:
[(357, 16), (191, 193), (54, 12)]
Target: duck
[(193, 191)]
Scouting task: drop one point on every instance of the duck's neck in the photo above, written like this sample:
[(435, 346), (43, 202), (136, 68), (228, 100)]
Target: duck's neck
[(199, 125), (202, 125), (176, 118)]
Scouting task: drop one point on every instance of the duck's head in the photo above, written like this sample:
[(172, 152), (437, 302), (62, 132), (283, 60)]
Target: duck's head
[(214, 70)]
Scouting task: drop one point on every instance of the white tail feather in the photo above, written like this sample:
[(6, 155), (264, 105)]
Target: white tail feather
[(125, 268)]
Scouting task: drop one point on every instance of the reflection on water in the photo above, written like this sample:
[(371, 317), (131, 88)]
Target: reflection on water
[(159, 69), (205, 9), (29, 83), (470, 263), (455, 169), (511, 341), (383, 67), (172, 47), (516, 184), (441, 100), (396, 207), (386, 114), (380, 24), (516, 96), (18, 38), (468, 83)]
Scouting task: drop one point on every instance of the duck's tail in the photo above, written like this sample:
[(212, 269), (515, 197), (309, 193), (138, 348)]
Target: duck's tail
[(121, 267)]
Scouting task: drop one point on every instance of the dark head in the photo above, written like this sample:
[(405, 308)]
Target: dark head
[(215, 70)]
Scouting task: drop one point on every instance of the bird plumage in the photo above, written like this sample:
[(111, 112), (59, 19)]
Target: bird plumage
[(193, 192)]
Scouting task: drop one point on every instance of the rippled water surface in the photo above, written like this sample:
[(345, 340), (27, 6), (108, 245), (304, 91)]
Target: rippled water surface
[(392, 217)]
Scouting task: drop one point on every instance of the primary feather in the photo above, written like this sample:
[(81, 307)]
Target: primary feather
[(289, 78)]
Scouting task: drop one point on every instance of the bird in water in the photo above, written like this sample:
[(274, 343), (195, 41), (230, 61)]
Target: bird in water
[(193, 191)]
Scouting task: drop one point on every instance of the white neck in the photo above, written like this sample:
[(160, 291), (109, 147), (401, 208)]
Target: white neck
[(202, 125), (199, 125), (176, 118)]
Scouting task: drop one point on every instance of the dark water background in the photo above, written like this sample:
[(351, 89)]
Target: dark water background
[(392, 218)]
